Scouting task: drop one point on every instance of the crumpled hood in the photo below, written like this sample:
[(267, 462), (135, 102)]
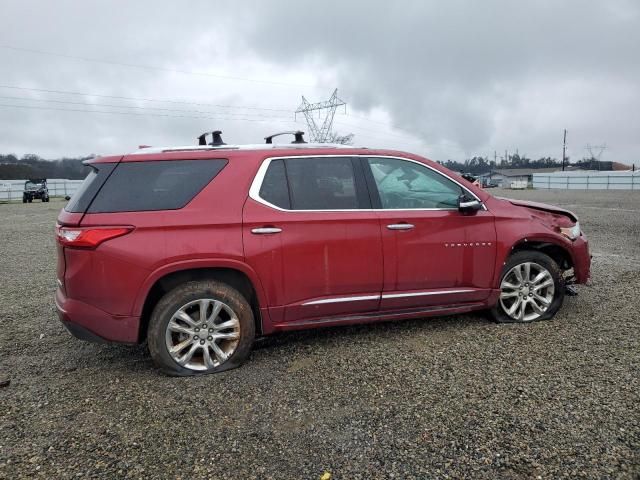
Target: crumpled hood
[(544, 207)]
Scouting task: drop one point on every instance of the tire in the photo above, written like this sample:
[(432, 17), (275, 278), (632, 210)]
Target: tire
[(233, 342), (30, 199), (24, 199), (530, 292)]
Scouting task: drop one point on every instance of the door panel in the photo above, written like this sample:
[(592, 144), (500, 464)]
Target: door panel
[(310, 233), (444, 252), (433, 254), (317, 260)]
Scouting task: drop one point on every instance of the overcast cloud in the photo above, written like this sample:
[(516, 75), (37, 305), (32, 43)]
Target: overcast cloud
[(445, 79)]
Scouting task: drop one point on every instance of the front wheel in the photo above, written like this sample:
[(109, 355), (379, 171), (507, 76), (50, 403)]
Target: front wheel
[(201, 327), (531, 288)]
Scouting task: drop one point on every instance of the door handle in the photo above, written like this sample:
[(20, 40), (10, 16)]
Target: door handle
[(266, 230), (400, 226)]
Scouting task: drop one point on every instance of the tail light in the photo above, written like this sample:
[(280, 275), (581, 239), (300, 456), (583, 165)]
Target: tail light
[(88, 237)]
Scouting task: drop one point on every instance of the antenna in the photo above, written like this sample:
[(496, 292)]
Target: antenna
[(321, 133)]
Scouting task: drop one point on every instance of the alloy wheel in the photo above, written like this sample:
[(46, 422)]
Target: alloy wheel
[(202, 334), (527, 291)]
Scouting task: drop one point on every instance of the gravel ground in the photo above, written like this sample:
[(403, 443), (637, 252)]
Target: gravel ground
[(449, 397)]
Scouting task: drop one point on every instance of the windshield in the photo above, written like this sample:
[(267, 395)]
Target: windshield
[(32, 186)]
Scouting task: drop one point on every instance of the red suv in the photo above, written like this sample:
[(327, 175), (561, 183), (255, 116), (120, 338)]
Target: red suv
[(199, 249)]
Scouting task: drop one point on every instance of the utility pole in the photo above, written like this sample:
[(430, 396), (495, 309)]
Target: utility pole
[(564, 149)]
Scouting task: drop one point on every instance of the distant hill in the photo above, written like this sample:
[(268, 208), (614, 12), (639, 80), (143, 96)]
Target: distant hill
[(33, 166)]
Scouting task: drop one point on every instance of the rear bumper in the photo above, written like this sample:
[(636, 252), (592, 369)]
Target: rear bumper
[(581, 259), (94, 325)]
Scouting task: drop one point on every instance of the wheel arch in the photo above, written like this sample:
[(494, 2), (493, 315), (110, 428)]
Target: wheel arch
[(550, 246), (559, 254), (235, 274)]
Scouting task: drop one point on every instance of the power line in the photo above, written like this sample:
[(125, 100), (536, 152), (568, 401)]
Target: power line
[(37, 107), (67, 102), (73, 110), (204, 104), (140, 99), (152, 67)]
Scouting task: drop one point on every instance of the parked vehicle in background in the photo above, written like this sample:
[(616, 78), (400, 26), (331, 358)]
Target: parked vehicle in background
[(486, 183), (35, 188), (199, 249)]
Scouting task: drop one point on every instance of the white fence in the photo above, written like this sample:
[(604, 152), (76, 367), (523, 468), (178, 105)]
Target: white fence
[(587, 180), (11, 190)]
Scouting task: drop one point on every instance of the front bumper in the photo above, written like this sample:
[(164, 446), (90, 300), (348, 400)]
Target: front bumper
[(581, 259), (92, 324)]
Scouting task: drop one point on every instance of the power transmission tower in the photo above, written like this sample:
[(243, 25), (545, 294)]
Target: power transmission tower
[(595, 152), (321, 133)]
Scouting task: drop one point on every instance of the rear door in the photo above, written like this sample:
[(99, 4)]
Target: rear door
[(433, 254), (310, 233)]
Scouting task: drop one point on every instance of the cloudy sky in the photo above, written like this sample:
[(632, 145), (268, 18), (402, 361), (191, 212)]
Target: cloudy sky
[(448, 80)]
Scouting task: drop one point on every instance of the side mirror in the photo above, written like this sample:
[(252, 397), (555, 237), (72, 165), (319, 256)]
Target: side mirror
[(468, 206)]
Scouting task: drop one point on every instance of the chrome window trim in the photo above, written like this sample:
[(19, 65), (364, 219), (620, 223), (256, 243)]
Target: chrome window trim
[(254, 190), (386, 296)]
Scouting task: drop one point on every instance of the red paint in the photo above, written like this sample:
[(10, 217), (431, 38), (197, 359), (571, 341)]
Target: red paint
[(317, 256)]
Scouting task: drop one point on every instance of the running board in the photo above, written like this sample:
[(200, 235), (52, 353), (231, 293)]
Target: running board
[(381, 316)]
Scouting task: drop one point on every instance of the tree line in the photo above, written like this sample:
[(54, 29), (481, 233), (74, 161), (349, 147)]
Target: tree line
[(479, 165), (33, 166)]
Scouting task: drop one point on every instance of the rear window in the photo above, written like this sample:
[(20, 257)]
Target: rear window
[(157, 185), (138, 186), (322, 183), (318, 183), (82, 198)]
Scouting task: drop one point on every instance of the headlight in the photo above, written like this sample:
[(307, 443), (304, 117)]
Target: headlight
[(571, 232)]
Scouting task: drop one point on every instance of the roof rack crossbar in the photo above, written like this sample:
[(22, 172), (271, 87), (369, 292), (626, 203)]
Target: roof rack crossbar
[(215, 141), (297, 136)]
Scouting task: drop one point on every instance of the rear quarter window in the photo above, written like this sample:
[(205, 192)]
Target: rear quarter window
[(81, 200), (154, 185)]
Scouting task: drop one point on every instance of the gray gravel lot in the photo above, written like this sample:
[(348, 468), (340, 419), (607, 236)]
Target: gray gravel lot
[(449, 397)]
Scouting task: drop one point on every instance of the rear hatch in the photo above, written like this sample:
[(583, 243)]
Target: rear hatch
[(71, 215)]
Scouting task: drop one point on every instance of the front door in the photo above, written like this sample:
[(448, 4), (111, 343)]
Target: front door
[(310, 234), (433, 254)]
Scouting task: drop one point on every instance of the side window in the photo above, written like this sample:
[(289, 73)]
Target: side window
[(403, 184), (274, 188), (153, 185), (324, 183)]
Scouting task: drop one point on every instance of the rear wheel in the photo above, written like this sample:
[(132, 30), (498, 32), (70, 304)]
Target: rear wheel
[(201, 327), (531, 288)]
